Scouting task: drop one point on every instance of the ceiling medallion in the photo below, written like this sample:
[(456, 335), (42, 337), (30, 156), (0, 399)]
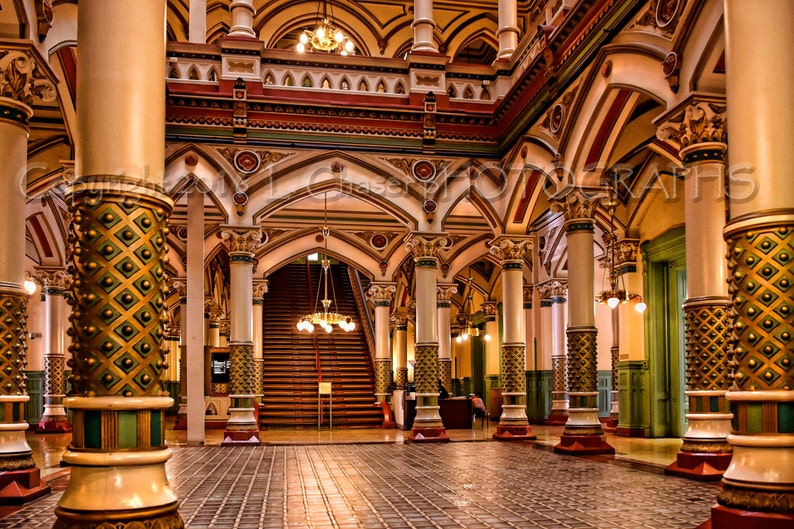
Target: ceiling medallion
[(423, 170), (378, 241), (246, 161)]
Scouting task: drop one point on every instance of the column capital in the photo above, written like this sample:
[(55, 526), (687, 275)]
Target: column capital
[(400, 320), (489, 309), (24, 77), (260, 287), (427, 245), (697, 124), (553, 290), (626, 251), (578, 206), (241, 238), (527, 293), (510, 248), (381, 293), (52, 278), (444, 292), (180, 285)]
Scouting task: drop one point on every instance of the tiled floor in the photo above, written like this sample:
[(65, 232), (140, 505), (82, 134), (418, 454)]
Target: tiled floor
[(345, 479)]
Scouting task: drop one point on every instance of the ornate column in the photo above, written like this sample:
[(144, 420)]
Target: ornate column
[(243, 12), (513, 424), (259, 291), (423, 26), (181, 415), (508, 29), (557, 295), (583, 433), (381, 295), (492, 362), (400, 349), (118, 237), (196, 323), (699, 130), (54, 282), (444, 294), (22, 75), (242, 427), (614, 358), (758, 486), (427, 425)]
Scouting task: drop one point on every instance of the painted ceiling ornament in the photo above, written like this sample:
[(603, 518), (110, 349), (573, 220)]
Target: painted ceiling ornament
[(44, 18), (378, 241), (22, 80), (663, 15), (247, 161), (423, 170)]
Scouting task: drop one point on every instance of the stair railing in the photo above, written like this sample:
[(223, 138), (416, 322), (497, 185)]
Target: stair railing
[(364, 315), (317, 363)]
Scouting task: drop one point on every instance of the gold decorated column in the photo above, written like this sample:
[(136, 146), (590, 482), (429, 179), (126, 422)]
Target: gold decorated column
[(118, 238), (583, 433), (698, 128), (259, 290), (55, 282), (444, 294), (758, 486), (23, 79), (554, 296), (242, 427), (513, 424), (425, 248), (180, 285), (381, 295)]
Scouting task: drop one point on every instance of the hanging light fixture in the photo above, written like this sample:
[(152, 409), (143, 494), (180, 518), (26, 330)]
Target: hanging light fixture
[(327, 317), (467, 328), (617, 293), (325, 36)]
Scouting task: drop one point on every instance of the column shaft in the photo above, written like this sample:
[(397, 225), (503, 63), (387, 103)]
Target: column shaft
[(423, 26), (559, 352), (508, 28), (401, 351), (196, 333), (197, 31)]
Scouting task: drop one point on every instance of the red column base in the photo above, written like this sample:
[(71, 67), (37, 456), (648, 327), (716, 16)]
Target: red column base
[(428, 435), (557, 419), (58, 426), (181, 422), (699, 466), (21, 486), (631, 432), (514, 433), (584, 445), (726, 518), (241, 438)]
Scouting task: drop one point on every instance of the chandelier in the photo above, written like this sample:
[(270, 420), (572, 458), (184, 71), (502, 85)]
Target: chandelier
[(325, 318), (617, 293), (324, 36), (467, 327)]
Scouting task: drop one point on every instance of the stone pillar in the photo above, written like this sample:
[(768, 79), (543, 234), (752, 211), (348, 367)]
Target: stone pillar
[(401, 350), (555, 296), (513, 424), (243, 12), (423, 26), (55, 282), (259, 291), (427, 425), (242, 427), (196, 325), (180, 285), (118, 263), (529, 325), (758, 486), (197, 30), (614, 358), (699, 130), (508, 29), (492, 361), (583, 433), (444, 294), (19, 476), (381, 295)]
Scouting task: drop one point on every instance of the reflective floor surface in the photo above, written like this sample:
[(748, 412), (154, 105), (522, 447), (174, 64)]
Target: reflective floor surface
[(352, 478)]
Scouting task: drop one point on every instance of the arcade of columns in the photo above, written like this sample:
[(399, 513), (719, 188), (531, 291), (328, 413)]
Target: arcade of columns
[(738, 337)]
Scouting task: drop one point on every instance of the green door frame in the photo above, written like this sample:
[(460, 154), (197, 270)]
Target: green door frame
[(664, 261)]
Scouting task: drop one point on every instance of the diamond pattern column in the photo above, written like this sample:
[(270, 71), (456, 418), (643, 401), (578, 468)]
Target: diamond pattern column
[(400, 345), (381, 295), (444, 294)]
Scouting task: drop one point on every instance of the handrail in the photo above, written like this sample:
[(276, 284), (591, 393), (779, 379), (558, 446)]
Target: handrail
[(364, 316), (317, 363)]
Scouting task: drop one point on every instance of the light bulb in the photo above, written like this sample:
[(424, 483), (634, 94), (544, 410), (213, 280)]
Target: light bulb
[(349, 46), (339, 36), (458, 339), (304, 39), (309, 326), (300, 325), (613, 302), (320, 33), (301, 48), (487, 337), (351, 325), (465, 335), (30, 286), (640, 306), (323, 322), (328, 328)]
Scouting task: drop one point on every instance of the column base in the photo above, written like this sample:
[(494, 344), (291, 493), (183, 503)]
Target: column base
[(514, 433), (557, 418), (54, 426), (428, 435), (155, 517), (241, 438), (699, 466), (583, 445), (624, 431), (181, 422), (727, 518), (21, 486)]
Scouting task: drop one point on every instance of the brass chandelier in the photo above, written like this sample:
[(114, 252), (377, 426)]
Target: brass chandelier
[(325, 36), (617, 293), (327, 317)]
